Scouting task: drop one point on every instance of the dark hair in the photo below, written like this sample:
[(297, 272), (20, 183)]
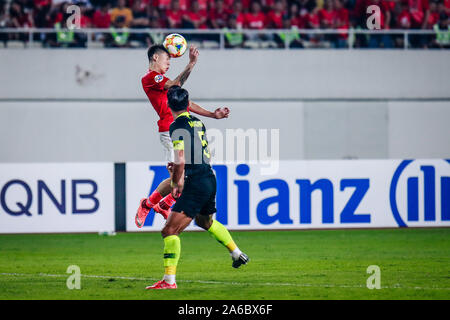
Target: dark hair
[(156, 48), (178, 98)]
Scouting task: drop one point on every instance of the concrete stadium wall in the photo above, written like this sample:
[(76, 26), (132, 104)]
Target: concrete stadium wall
[(59, 131), (238, 75), (88, 105)]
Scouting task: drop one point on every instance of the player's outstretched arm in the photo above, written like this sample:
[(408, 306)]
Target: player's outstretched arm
[(182, 77), (219, 113)]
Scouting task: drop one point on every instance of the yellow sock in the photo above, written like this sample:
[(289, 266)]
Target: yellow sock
[(172, 249), (221, 234)]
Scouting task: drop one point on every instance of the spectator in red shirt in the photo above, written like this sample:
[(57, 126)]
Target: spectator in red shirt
[(312, 19), (229, 4), (20, 19), (85, 19), (162, 4), (327, 15), (433, 17), (195, 18), (101, 18), (275, 17), (444, 7), (203, 4), (174, 15), (420, 12), (296, 19), (404, 17), (269, 5), (255, 19), (184, 4), (341, 23), (342, 20), (219, 16), (390, 5), (246, 4), (238, 12)]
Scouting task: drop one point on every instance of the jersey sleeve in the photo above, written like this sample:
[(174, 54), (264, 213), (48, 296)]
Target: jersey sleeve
[(156, 81), (178, 131)]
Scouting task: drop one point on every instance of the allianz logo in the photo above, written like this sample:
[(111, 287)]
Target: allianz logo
[(420, 192)]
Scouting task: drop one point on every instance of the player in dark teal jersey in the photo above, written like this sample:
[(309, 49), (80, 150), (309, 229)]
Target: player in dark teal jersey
[(193, 183)]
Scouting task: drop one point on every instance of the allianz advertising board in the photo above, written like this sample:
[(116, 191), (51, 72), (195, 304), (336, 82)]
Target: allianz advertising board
[(314, 194)]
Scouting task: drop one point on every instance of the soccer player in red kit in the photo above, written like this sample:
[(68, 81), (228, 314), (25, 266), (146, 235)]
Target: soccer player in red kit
[(156, 85)]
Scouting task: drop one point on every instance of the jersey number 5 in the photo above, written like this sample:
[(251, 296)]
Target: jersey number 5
[(201, 135)]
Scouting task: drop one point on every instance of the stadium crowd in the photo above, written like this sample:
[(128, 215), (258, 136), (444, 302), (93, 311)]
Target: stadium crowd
[(121, 15)]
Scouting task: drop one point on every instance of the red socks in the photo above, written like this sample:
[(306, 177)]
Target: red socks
[(156, 197), (167, 202)]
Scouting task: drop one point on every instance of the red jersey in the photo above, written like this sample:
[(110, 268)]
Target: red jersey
[(404, 19), (175, 17), (101, 20), (153, 84), (203, 4), (275, 19), (257, 21), (184, 4), (433, 18), (299, 22), (342, 18), (163, 4), (327, 17), (240, 20), (220, 18), (197, 17), (313, 20)]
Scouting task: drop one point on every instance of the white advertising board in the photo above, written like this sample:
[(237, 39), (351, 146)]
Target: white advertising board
[(314, 194)]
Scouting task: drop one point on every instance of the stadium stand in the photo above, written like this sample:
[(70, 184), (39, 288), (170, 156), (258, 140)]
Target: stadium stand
[(122, 20)]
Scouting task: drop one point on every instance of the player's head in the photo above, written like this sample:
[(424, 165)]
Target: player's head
[(159, 57), (177, 98)]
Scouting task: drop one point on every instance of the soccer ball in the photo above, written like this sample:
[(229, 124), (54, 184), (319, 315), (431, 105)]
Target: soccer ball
[(176, 45)]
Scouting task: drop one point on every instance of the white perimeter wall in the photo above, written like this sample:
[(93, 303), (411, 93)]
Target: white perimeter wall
[(126, 131), (327, 104), (243, 74)]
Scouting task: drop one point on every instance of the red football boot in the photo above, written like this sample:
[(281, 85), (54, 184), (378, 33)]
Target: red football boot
[(162, 208), (162, 285), (142, 213)]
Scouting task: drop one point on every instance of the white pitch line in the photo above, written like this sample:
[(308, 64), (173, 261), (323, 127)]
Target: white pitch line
[(397, 286)]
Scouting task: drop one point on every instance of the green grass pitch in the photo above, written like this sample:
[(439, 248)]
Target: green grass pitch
[(325, 264)]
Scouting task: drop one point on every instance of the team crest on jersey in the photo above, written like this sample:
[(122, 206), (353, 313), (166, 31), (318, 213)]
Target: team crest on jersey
[(159, 78)]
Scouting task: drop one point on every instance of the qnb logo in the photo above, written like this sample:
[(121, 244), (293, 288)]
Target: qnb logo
[(18, 197), (420, 192)]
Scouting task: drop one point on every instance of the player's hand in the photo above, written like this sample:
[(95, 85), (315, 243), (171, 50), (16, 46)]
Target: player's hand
[(170, 167), (177, 188), (221, 113), (193, 54)]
